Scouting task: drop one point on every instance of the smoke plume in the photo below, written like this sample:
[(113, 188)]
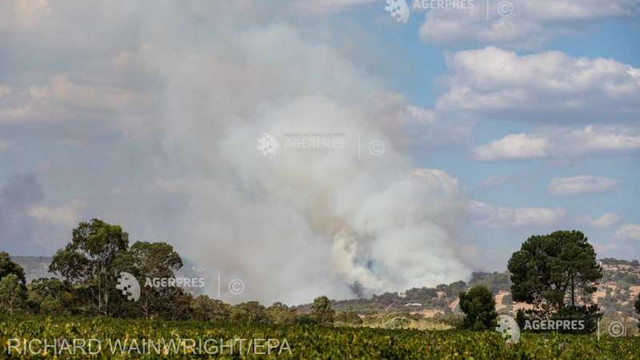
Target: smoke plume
[(306, 221)]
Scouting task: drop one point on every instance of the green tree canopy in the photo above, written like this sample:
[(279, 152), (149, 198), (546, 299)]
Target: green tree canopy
[(7, 266), (637, 306), (154, 260), (13, 295), (549, 269), (88, 260), (151, 261), (51, 296), (207, 309), (479, 308), (281, 314), (321, 310), (251, 312)]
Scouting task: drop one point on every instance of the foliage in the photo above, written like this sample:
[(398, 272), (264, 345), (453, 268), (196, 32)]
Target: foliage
[(13, 295), (7, 266), (319, 342), (204, 308), (612, 261), (495, 281), (347, 317), (397, 322), (321, 310), (281, 314), (249, 313), (637, 306), (90, 265), (479, 308), (153, 261), (549, 268), (453, 288), (51, 296), (88, 261)]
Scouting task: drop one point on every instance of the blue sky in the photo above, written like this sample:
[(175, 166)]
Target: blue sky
[(421, 64), (146, 114)]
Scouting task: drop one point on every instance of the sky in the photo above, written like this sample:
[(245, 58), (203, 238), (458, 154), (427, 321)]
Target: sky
[(452, 131)]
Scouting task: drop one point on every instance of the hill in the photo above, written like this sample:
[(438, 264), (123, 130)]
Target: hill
[(619, 287), (616, 292)]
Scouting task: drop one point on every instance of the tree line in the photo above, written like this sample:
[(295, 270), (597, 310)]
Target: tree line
[(87, 269), (556, 273)]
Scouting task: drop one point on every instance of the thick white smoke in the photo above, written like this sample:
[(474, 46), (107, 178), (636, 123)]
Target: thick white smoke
[(305, 222)]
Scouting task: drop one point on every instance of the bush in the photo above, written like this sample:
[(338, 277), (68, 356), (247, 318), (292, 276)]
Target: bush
[(479, 308), (348, 317), (13, 295), (637, 306), (249, 313), (321, 311), (281, 314), (205, 309)]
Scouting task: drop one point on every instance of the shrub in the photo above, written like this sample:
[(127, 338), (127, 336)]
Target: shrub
[(479, 308)]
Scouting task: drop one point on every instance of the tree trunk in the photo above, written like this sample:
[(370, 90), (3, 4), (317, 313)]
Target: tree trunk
[(573, 291)]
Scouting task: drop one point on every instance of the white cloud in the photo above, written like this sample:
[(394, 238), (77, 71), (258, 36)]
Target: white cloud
[(325, 6), (583, 184), (526, 24), (605, 221), (545, 88), (513, 147), (67, 215), (614, 250), (491, 216), (600, 139), (628, 232), (492, 181), (62, 99), (562, 142), (500, 83)]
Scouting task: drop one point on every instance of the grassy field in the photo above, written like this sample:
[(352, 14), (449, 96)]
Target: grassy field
[(118, 339)]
